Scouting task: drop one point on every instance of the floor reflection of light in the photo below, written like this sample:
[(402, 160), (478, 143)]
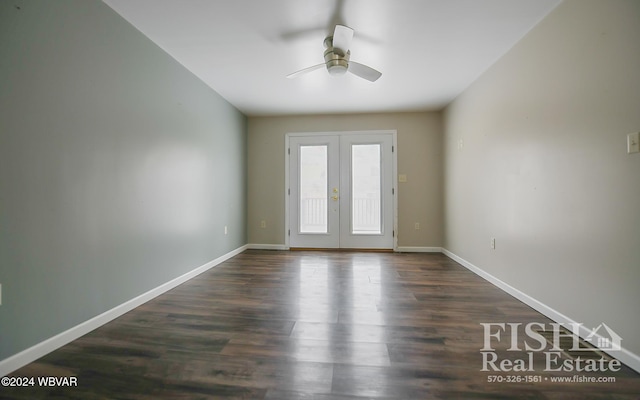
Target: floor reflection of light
[(367, 290), (366, 327), (337, 317), (313, 297), (313, 305)]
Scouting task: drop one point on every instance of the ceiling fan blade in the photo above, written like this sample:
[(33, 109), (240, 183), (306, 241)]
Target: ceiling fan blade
[(342, 37), (305, 71), (364, 71)]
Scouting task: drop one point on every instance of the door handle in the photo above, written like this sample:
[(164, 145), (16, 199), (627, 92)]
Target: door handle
[(334, 198)]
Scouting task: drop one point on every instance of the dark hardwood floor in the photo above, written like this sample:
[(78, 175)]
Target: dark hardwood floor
[(312, 325)]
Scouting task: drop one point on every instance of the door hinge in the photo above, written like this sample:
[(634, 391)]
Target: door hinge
[(289, 151), (393, 148), (393, 191), (393, 233), (289, 191), (289, 233)]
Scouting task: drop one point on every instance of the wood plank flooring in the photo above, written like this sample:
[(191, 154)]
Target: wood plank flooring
[(310, 325)]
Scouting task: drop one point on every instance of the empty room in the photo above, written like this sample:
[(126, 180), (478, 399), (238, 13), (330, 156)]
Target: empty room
[(319, 199)]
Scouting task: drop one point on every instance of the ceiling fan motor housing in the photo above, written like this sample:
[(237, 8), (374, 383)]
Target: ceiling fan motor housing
[(337, 63)]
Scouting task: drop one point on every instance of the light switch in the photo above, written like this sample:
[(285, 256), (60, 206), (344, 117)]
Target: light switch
[(402, 178), (633, 142)]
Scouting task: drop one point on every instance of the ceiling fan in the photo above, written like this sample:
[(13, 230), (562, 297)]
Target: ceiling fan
[(336, 57)]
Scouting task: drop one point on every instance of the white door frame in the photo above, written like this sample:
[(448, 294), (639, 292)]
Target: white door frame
[(394, 166)]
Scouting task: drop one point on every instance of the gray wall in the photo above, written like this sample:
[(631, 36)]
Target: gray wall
[(118, 168), (419, 157), (544, 168)]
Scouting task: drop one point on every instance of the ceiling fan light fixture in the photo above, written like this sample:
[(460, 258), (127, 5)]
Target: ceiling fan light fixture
[(337, 69), (337, 64)]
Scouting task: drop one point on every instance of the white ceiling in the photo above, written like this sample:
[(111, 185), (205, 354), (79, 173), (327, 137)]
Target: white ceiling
[(428, 51)]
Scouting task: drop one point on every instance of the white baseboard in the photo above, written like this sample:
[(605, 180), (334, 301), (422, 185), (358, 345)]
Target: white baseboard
[(41, 349), (400, 249), (632, 360), (258, 246), (412, 249)]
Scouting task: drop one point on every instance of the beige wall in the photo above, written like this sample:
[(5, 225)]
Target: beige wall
[(419, 157), (544, 167)]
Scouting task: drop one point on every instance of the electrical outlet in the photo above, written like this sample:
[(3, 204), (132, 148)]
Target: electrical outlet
[(493, 243), (263, 224), (417, 226), (226, 230), (633, 142)]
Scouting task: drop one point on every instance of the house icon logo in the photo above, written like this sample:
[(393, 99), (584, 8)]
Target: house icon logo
[(604, 338)]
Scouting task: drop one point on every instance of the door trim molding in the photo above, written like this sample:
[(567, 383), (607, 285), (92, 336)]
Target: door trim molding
[(394, 173)]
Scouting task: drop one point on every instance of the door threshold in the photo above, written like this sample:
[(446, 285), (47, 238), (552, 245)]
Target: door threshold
[(341, 249)]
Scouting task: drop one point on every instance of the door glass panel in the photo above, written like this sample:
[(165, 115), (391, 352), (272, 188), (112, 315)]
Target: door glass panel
[(313, 189), (365, 189)]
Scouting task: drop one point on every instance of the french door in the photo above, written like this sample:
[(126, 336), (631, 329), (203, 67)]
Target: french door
[(341, 191)]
